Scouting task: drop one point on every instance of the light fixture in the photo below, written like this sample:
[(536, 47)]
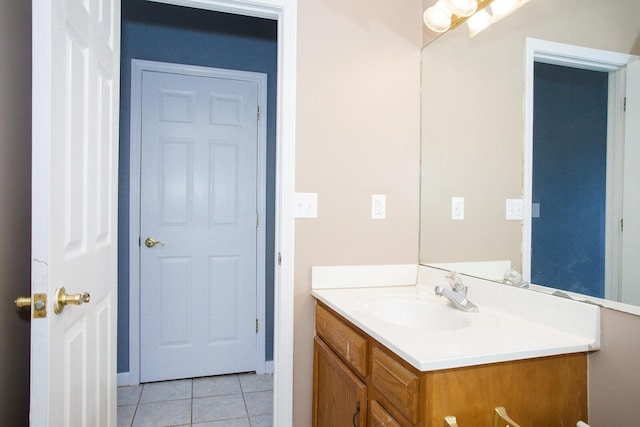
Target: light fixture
[(449, 14), (479, 22), (462, 8), (438, 17), (501, 8)]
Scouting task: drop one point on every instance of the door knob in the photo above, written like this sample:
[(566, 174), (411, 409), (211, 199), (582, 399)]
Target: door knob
[(62, 299), (151, 242)]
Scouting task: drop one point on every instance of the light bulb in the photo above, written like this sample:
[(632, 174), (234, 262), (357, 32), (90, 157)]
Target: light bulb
[(478, 22), (501, 8), (462, 8), (438, 17)]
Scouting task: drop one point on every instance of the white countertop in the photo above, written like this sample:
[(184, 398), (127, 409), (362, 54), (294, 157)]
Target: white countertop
[(489, 336)]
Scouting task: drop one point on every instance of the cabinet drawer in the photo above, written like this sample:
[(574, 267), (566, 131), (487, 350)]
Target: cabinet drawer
[(397, 384), (380, 418), (346, 342)]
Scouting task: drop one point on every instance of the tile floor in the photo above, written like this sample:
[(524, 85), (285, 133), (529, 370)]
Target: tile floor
[(242, 400)]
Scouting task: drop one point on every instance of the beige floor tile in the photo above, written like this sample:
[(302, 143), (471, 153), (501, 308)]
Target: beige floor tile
[(125, 415), (222, 401), (262, 421), (218, 408), (129, 395), (216, 386), (237, 422), (166, 390), (253, 382), (161, 414), (259, 403)]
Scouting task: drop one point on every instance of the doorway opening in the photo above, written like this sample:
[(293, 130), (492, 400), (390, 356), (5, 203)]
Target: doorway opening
[(569, 178), (616, 67), (160, 32)]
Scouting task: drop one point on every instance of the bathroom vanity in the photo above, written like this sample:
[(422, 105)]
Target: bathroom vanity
[(379, 361)]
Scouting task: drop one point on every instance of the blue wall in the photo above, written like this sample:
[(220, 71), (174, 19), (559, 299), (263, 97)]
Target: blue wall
[(569, 178), (167, 33)]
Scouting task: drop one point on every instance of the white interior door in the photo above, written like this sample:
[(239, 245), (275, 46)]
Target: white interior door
[(630, 291), (199, 199), (75, 126)]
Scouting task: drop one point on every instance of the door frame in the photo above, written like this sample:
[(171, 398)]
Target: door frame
[(138, 67), (615, 64), (285, 12)]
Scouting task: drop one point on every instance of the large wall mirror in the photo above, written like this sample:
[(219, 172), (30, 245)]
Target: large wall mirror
[(477, 139)]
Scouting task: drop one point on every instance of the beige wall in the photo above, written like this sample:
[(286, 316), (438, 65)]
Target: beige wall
[(15, 207), (473, 120), (614, 372), (358, 133)]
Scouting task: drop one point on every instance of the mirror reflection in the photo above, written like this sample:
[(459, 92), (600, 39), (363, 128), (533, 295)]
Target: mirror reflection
[(474, 146)]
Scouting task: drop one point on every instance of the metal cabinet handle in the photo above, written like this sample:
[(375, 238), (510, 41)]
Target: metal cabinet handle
[(355, 415)]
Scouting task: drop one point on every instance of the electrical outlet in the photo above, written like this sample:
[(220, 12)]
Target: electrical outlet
[(378, 206), (457, 208)]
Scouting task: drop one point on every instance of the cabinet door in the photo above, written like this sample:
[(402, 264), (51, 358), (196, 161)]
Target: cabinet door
[(381, 418), (339, 397)]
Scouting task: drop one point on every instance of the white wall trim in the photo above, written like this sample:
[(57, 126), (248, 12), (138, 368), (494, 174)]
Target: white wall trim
[(285, 12), (570, 56)]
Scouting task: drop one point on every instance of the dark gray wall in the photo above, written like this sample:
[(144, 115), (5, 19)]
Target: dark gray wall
[(15, 208), (167, 33)]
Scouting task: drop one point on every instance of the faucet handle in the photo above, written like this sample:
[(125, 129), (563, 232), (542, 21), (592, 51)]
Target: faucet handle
[(455, 281)]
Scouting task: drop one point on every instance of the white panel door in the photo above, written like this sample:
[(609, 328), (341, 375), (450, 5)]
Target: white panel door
[(198, 198), (75, 125), (630, 292)]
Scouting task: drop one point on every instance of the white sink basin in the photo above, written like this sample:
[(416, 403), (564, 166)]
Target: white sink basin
[(417, 313)]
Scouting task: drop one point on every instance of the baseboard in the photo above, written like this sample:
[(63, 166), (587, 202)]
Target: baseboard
[(124, 379), (268, 367)]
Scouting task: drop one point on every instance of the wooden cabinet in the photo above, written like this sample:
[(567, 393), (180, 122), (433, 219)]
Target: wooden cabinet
[(352, 370), (340, 397), (379, 417)]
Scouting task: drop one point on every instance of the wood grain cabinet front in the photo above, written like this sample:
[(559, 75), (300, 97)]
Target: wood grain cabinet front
[(339, 396), (379, 417), (359, 382), (351, 346)]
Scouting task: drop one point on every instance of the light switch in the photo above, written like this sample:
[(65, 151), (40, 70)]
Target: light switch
[(306, 205), (514, 209)]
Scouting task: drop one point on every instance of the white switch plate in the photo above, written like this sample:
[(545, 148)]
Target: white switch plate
[(378, 206), (457, 208), (306, 205), (515, 208)]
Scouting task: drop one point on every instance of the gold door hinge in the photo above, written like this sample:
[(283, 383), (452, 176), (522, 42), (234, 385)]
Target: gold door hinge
[(624, 105), (256, 326), (258, 112), (257, 219)]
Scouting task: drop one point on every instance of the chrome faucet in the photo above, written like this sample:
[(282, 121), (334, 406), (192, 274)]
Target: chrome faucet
[(457, 295), (513, 278)]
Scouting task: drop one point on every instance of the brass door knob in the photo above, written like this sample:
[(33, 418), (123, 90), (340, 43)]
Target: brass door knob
[(151, 242), (62, 299)]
